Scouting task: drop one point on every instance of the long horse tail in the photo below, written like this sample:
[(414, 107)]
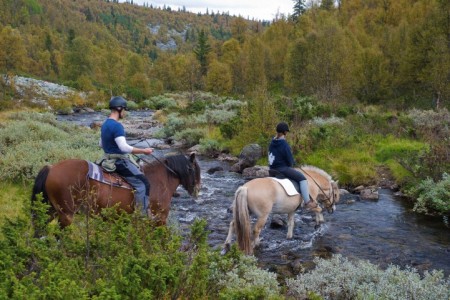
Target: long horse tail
[(39, 185), (38, 188), (242, 220)]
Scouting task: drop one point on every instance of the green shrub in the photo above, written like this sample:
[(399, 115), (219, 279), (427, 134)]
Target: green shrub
[(33, 140), (160, 102), (339, 278), (173, 124), (432, 196), (209, 146), (120, 256), (191, 135)]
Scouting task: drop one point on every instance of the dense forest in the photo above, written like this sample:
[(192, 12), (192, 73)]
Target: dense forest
[(373, 51)]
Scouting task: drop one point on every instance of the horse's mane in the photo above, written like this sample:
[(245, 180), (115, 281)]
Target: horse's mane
[(317, 170), (178, 164)]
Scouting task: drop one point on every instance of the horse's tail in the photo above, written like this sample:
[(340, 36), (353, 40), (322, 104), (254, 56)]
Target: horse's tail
[(242, 220), (39, 184), (38, 188)]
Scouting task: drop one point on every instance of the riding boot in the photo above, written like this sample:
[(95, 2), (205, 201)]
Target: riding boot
[(304, 191), (305, 194)]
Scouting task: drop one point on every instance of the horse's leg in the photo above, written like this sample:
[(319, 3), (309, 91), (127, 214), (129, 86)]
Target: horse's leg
[(257, 229), (291, 222), (227, 244)]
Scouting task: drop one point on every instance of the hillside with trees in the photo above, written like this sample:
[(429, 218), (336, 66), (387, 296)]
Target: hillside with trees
[(374, 51)]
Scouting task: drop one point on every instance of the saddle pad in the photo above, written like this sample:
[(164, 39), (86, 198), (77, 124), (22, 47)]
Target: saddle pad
[(287, 185), (96, 173)]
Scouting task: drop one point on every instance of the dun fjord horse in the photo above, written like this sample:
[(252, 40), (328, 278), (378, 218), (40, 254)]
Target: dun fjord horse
[(67, 187), (262, 196)]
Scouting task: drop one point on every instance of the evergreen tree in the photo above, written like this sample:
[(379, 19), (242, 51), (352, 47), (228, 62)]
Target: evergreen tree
[(201, 51), (299, 9)]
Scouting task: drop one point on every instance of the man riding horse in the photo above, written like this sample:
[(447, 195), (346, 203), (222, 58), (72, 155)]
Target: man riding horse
[(117, 152)]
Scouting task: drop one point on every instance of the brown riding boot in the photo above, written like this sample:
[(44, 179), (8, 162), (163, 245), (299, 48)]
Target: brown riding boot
[(310, 205)]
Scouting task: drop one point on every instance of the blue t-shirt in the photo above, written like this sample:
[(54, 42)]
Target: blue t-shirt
[(110, 130), (280, 154)]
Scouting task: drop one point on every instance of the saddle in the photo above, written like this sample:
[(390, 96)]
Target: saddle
[(281, 178), (97, 173)]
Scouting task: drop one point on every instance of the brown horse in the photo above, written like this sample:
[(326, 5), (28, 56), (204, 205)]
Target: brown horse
[(67, 187), (262, 196)]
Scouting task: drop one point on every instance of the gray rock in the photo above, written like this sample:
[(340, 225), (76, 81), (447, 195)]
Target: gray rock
[(248, 158)]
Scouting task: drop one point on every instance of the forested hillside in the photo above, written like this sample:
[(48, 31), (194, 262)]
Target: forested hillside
[(374, 51)]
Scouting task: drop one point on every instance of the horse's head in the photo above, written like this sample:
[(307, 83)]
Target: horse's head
[(194, 176), (330, 201), (187, 170)]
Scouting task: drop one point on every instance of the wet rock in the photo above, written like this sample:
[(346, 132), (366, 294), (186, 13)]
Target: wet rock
[(297, 266), (256, 172), (358, 189), (194, 149), (369, 194), (248, 158), (162, 146), (214, 170), (227, 157), (95, 125), (277, 222)]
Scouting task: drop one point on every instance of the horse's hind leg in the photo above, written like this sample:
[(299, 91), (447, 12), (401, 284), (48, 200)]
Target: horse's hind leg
[(257, 229), (227, 244)]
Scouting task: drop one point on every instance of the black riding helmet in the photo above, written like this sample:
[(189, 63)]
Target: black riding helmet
[(282, 127), (118, 103)]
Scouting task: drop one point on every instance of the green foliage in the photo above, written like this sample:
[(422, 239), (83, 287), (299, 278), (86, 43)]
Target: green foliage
[(28, 141), (191, 135), (209, 146), (116, 256), (432, 196), (160, 102), (173, 125), (339, 278)]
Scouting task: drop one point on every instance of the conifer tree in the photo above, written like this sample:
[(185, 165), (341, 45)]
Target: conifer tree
[(201, 50)]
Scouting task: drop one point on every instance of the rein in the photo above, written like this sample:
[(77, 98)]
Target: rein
[(146, 161), (328, 198)]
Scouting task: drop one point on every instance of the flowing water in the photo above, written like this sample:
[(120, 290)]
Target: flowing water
[(384, 231)]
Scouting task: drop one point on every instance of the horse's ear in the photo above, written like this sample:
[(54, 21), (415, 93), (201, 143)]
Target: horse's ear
[(192, 157)]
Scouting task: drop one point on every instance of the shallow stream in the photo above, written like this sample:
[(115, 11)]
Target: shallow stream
[(384, 231)]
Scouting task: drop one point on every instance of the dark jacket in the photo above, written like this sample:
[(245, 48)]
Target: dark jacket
[(280, 154)]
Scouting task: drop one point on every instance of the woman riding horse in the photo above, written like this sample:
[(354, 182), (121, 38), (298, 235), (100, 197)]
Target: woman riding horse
[(282, 160)]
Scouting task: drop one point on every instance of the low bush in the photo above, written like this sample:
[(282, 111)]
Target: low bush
[(28, 141), (339, 278), (432, 196), (120, 256)]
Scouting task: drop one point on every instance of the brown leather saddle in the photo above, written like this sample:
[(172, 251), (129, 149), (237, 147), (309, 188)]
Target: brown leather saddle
[(97, 173)]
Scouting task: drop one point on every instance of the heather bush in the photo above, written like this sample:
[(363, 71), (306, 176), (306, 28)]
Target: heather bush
[(190, 135), (432, 196), (28, 141), (209, 146), (160, 102), (174, 123), (339, 278)]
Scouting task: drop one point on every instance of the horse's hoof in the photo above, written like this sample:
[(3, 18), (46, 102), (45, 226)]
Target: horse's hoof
[(317, 226), (225, 249)]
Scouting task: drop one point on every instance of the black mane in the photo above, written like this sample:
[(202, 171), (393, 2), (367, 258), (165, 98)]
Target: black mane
[(179, 164)]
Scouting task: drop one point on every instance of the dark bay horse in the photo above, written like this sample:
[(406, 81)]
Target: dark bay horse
[(262, 196), (67, 187)]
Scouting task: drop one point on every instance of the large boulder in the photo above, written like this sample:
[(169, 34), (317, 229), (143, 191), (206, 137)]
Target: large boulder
[(248, 158)]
